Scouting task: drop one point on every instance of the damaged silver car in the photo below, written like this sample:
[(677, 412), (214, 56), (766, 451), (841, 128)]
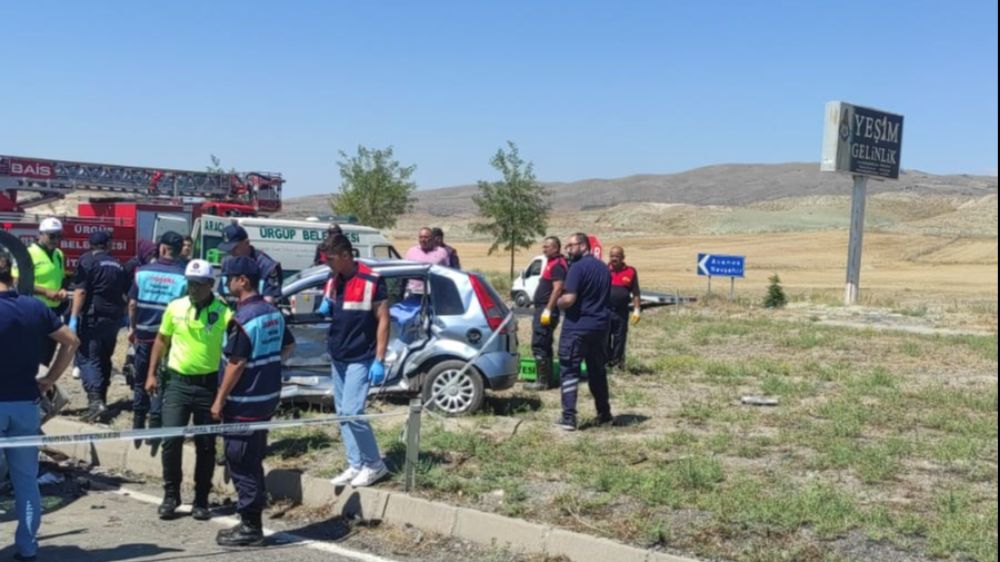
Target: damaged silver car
[(441, 318)]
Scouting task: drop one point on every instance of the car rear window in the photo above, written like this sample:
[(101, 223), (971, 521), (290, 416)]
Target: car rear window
[(447, 301)]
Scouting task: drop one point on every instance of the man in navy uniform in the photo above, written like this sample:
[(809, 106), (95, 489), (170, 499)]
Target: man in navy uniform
[(585, 331), (155, 286), (98, 308), (249, 388), (236, 242)]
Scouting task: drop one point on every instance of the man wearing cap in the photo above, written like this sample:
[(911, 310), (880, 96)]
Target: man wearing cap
[(257, 340), (25, 323), (624, 292), (49, 266), (155, 286), (99, 291), (236, 242), (193, 328)]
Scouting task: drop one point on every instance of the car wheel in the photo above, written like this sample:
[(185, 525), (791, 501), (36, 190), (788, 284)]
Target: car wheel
[(521, 299), (452, 392)]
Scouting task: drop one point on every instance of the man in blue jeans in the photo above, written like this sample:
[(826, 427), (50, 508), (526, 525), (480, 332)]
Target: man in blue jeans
[(585, 331), (357, 339), (26, 325)]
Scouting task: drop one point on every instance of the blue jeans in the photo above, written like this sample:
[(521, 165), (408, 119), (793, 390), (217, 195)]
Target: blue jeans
[(19, 419), (350, 389)]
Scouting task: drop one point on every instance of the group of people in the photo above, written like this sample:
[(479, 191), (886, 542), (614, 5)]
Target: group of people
[(595, 299), (208, 352), (203, 354)]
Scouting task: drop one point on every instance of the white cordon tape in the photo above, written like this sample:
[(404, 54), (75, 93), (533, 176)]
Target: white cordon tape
[(168, 432), (227, 428)]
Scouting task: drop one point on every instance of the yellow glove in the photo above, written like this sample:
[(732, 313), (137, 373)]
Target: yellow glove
[(546, 318), (635, 318)]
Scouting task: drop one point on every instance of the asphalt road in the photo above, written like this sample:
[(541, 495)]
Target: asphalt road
[(120, 523)]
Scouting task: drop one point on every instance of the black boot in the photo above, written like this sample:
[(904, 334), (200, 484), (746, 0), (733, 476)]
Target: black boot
[(168, 509), (249, 532), (95, 408), (543, 374), (200, 511)]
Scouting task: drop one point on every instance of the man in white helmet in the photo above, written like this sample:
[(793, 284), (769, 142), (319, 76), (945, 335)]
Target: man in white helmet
[(49, 266)]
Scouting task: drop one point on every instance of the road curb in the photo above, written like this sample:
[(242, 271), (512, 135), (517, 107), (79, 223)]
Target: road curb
[(396, 508)]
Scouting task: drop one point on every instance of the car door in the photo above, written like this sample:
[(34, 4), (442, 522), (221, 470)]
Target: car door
[(409, 299), (310, 358)]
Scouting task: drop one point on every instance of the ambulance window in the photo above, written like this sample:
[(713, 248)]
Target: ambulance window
[(535, 268), (383, 252)]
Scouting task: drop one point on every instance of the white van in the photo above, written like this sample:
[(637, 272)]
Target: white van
[(522, 291), (291, 242)]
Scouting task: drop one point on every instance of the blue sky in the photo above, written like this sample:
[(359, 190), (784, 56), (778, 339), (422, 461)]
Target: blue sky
[(586, 89)]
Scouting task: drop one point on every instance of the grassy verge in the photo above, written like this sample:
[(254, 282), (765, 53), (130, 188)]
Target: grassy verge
[(882, 444)]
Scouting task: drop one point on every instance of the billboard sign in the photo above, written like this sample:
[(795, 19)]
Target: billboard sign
[(861, 140)]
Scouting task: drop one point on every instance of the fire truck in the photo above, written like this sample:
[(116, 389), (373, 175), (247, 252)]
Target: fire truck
[(137, 201)]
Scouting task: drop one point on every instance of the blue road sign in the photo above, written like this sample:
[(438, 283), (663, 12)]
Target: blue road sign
[(715, 265)]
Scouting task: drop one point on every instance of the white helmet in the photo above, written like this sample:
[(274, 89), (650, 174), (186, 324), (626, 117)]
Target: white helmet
[(199, 270), (50, 224)]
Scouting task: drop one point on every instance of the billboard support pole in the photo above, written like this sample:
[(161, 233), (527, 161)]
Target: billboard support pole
[(852, 288)]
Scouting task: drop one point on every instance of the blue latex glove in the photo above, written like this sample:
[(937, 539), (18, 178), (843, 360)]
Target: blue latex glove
[(324, 308), (376, 373), (73, 322)]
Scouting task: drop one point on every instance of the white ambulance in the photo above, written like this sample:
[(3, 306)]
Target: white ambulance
[(291, 242)]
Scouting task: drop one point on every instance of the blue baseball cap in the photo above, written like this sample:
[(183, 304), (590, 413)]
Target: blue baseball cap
[(100, 238), (241, 265), (231, 236)]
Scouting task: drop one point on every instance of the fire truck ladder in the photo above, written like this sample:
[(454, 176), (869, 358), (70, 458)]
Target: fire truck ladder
[(54, 179)]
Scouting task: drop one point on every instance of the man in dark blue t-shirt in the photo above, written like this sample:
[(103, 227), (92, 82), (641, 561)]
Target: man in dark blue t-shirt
[(26, 324), (585, 331)]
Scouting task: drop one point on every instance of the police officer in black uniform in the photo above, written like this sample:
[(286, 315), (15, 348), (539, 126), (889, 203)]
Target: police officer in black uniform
[(99, 293)]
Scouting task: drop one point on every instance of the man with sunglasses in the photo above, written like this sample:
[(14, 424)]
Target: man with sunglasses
[(585, 331), (49, 266), (194, 329)]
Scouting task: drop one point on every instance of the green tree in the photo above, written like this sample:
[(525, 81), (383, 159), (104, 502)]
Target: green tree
[(515, 210), (374, 187), (775, 297)]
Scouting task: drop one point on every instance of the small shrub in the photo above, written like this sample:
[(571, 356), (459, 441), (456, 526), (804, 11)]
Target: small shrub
[(775, 294)]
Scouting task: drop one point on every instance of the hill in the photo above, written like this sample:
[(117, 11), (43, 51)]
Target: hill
[(726, 185)]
